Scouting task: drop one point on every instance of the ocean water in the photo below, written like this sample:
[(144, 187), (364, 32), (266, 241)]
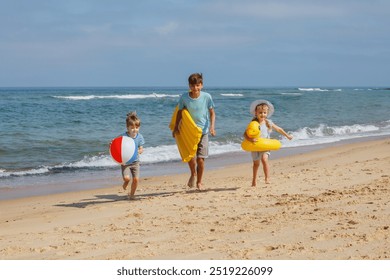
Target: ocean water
[(49, 131)]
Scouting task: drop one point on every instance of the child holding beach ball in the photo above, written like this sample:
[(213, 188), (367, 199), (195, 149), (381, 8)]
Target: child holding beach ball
[(261, 110), (130, 165)]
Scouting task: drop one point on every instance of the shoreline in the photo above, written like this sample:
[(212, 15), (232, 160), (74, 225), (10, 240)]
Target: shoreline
[(89, 180), (328, 204)]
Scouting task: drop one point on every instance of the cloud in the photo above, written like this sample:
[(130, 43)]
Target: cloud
[(246, 35), (285, 10), (168, 28)]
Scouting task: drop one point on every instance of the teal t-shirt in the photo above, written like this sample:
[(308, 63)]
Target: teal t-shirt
[(198, 109)]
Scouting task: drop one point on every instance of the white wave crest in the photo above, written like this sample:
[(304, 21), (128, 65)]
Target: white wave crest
[(36, 171), (312, 89), (291, 93), (328, 134), (318, 89), (232, 94), (324, 130), (125, 96), (92, 161), (161, 153)]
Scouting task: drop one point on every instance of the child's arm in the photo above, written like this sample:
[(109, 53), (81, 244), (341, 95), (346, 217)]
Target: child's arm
[(178, 119), (212, 122), (249, 138), (281, 131), (140, 149)]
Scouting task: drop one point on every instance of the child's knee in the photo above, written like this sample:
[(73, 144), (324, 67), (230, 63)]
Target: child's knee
[(126, 179), (256, 163), (200, 161)]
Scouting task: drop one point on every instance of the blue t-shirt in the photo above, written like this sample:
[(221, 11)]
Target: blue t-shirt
[(198, 109), (139, 142)]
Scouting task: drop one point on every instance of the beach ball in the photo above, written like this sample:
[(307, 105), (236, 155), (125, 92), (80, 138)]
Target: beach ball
[(123, 150), (253, 130)]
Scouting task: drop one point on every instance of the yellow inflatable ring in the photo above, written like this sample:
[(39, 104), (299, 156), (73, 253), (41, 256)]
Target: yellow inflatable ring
[(262, 144), (253, 130)]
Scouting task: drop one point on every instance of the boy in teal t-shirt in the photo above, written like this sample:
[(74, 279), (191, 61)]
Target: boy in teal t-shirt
[(200, 105)]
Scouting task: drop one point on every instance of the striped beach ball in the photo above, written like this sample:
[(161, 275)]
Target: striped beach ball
[(123, 150)]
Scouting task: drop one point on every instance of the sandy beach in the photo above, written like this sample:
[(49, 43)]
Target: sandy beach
[(332, 203)]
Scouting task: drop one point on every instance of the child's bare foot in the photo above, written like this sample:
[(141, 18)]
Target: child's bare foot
[(267, 182), (191, 182), (199, 186), (254, 183), (131, 197), (125, 184)]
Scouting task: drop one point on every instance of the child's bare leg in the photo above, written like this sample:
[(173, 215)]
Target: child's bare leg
[(199, 169), (126, 180), (192, 166), (134, 186), (256, 164), (264, 161)]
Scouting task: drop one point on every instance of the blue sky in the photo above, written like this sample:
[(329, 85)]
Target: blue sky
[(159, 43)]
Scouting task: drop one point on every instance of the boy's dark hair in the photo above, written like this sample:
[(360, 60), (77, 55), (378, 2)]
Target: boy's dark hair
[(132, 119), (195, 78)]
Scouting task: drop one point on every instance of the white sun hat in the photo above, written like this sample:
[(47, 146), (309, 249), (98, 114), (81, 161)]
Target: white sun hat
[(254, 104)]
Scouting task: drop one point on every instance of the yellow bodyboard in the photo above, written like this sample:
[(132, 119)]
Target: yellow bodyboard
[(188, 137)]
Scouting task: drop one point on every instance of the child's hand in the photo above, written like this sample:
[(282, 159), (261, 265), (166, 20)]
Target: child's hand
[(289, 136), (250, 139), (174, 132)]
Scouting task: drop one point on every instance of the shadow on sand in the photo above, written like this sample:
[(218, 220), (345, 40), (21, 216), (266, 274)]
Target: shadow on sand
[(110, 198)]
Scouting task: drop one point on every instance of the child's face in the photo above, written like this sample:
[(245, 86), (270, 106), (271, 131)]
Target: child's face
[(262, 112), (132, 130), (196, 88)]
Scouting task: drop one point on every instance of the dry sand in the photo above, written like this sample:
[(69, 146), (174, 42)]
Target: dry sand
[(328, 204)]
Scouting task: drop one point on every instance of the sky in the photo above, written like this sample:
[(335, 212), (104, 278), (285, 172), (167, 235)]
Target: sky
[(243, 43)]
